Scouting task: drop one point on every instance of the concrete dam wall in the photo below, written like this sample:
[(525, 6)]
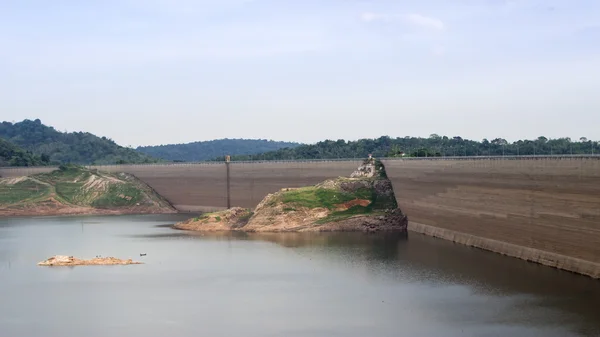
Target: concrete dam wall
[(550, 205), (201, 187)]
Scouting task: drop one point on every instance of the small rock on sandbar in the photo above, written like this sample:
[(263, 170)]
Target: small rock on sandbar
[(63, 260)]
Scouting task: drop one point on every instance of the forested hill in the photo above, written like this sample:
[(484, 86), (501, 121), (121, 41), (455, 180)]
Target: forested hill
[(207, 150), (432, 147), (71, 147), (12, 155)]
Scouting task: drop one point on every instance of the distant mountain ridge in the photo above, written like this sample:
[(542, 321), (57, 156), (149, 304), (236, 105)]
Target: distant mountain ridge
[(209, 150), (68, 147)]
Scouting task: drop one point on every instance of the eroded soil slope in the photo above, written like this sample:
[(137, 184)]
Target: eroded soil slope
[(76, 190)]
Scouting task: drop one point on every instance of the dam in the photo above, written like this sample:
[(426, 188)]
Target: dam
[(543, 209)]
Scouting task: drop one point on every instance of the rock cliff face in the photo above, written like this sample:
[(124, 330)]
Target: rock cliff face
[(365, 201)]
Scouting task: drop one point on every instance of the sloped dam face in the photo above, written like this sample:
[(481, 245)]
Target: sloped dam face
[(519, 207)]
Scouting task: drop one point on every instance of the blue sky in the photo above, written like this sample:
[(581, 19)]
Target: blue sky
[(147, 72)]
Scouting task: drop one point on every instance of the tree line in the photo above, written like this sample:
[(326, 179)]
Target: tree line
[(433, 146), (66, 147), (31, 143), (206, 150), (12, 155)]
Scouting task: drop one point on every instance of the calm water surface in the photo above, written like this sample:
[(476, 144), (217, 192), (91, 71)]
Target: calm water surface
[(346, 284)]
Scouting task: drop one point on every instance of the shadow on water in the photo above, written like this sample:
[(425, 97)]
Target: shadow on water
[(170, 225), (435, 260)]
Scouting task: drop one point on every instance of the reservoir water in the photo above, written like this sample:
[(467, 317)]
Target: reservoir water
[(334, 284)]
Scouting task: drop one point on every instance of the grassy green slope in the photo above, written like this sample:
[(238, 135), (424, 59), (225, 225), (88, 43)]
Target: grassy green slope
[(74, 185), (15, 191)]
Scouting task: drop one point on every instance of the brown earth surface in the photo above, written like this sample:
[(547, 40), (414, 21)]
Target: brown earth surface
[(52, 207), (301, 220), (351, 203), (215, 222), (62, 260)]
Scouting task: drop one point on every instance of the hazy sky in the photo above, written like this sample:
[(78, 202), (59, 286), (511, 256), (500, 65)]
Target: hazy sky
[(147, 72)]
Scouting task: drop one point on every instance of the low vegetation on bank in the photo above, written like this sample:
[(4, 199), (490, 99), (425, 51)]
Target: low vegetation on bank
[(76, 190), (363, 201)]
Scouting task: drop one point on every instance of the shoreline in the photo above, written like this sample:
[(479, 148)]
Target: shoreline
[(355, 225), (87, 212), (545, 258)]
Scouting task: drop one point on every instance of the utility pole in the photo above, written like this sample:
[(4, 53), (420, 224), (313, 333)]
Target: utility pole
[(227, 159)]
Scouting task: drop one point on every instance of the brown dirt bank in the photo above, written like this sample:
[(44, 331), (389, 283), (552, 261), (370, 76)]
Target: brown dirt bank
[(54, 208), (276, 218), (392, 222)]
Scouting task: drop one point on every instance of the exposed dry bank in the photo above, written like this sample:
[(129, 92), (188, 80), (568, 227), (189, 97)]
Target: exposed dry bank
[(365, 201), (63, 260), (77, 190)]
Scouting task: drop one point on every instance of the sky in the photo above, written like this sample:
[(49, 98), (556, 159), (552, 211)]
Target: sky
[(149, 72)]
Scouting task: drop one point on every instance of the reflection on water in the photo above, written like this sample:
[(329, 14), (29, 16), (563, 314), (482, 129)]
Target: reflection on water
[(427, 260), (268, 284)]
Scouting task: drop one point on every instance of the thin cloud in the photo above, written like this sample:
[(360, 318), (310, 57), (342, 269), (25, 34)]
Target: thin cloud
[(412, 19), (438, 50), (425, 21), (369, 16)]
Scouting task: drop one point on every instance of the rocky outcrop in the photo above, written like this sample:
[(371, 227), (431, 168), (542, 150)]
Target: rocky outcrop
[(63, 260), (367, 170), (365, 201), (230, 219)]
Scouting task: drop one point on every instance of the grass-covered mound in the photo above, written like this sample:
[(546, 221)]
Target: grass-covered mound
[(342, 197), (75, 190)]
